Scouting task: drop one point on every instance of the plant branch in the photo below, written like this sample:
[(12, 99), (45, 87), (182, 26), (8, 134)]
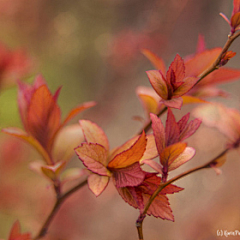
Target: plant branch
[(56, 207), (215, 65), (147, 127), (141, 217), (212, 68)]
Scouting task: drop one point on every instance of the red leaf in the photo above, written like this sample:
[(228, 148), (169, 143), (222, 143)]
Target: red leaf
[(130, 156), (183, 122), (43, 117), (159, 207), (94, 157), (158, 83), (187, 85), (172, 129), (158, 132), (129, 176), (15, 233), (127, 196), (190, 129), (177, 66)]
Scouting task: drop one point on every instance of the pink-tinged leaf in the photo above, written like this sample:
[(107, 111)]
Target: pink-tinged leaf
[(154, 165), (173, 103), (236, 6), (183, 122), (171, 189), (160, 207), (158, 83), (149, 100), (170, 153), (189, 82), (77, 110), (222, 75), (156, 61), (227, 121), (151, 149), (158, 132), (67, 139), (137, 195), (201, 45), (171, 129), (53, 172), (190, 129), (97, 184), (94, 134), (94, 157), (25, 92), (130, 156), (56, 94), (130, 176), (43, 117), (201, 61), (184, 157), (127, 196), (19, 133), (192, 100), (177, 66)]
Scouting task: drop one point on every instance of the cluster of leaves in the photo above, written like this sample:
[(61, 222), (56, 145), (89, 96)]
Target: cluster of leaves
[(188, 80)]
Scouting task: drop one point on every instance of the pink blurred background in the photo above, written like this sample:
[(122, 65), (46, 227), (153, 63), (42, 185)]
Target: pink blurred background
[(92, 48)]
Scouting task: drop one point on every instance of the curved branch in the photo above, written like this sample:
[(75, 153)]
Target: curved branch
[(141, 217)]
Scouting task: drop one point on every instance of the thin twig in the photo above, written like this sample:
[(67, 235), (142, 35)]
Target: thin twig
[(55, 209), (141, 217)]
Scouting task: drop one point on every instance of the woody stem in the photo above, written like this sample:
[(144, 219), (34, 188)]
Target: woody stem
[(215, 65), (141, 217)]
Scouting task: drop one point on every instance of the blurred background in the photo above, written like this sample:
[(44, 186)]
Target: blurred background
[(92, 48)]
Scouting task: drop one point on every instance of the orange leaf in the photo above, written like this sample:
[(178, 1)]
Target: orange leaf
[(149, 100), (156, 61), (97, 183), (94, 134), (190, 100), (94, 157), (185, 156), (201, 61), (19, 133), (77, 110), (130, 156), (170, 153), (158, 83), (43, 117)]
